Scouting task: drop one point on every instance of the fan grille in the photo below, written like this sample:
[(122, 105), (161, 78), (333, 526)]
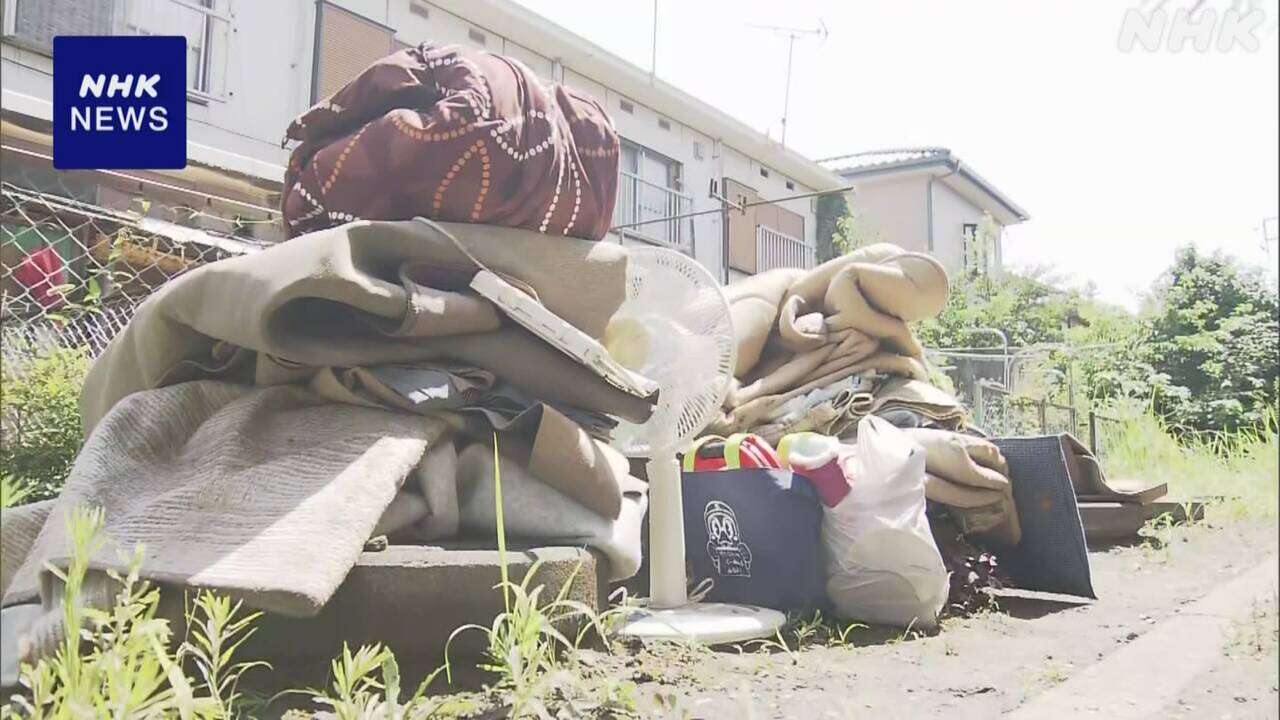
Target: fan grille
[(692, 347)]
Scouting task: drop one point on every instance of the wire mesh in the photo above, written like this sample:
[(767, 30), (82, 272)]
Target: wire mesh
[(79, 252), (72, 270)]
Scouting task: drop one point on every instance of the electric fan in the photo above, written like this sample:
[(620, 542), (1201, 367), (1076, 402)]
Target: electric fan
[(674, 328)]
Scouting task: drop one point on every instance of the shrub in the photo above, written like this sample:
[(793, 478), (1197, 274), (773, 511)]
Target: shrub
[(1028, 309), (40, 419), (1215, 331)]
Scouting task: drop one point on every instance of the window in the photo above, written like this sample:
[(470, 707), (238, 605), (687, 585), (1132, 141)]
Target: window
[(649, 190), (764, 172), (35, 22), (203, 23), (791, 185), (204, 26), (626, 107), (477, 37), (664, 124), (651, 166), (348, 45), (970, 249)]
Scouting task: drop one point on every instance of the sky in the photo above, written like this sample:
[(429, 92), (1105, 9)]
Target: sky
[(1119, 157)]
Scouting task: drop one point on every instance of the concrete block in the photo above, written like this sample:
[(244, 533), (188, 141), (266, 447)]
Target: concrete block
[(411, 598)]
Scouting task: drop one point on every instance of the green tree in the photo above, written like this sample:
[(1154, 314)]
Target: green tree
[(840, 230), (1028, 308), (1215, 332)]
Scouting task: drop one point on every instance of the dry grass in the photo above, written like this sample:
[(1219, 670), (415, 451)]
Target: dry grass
[(1241, 468)]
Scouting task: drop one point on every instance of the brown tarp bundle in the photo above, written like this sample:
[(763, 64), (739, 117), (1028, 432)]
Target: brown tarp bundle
[(458, 135)]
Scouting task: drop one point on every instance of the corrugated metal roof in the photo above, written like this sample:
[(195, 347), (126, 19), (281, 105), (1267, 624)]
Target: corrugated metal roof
[(883, 158)]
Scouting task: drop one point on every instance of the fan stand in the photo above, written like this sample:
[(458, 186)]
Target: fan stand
[(669, 614)]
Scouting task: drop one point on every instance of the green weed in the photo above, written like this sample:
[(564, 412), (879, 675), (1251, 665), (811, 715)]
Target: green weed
[(117, 662), (13, 491)]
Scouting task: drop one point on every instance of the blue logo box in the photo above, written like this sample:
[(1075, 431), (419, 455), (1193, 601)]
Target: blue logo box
[(119, 102)]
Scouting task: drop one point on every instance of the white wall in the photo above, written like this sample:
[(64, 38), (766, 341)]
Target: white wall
[(896, 210), (267, 83), (268, 80), (950, 213)]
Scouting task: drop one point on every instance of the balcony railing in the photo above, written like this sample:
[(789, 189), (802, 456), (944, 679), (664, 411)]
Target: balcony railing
[(646, 202), (778, 250)]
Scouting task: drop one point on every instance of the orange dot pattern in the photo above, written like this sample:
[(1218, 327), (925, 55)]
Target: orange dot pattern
[(424, 136), (477, 149), (342, 158)]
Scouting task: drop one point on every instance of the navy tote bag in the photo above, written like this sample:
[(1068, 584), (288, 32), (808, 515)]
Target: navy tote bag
[(755, 533)]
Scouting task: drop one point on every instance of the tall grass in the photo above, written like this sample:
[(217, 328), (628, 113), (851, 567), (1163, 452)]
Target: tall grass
[(1242, 468)]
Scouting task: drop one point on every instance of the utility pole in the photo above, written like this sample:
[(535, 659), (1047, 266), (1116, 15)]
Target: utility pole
[(792, 34), (653, 58)]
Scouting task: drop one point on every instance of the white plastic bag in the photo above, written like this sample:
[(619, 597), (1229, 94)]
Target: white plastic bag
[(882, 564)]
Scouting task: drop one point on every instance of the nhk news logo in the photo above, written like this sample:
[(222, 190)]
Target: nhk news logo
[(119, 102)]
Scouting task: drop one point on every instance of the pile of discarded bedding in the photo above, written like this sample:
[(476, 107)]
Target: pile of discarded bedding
[(830, 373), (818, 350), (261, 418)]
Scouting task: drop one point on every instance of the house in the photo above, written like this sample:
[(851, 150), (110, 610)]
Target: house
[(255, 65), (927, 199)]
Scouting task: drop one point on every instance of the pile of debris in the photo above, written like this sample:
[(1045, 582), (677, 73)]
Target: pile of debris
[(261, 418)]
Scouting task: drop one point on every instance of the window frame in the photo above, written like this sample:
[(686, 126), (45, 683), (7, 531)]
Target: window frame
[(671, 184), (209, 9), (210, 12), (968, 237)]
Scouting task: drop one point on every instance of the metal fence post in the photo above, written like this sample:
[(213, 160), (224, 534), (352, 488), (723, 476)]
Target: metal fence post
[(1042, 407), (979, 407), (1093, 433)]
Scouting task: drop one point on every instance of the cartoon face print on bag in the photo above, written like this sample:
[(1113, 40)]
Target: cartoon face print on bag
[(731, 556)]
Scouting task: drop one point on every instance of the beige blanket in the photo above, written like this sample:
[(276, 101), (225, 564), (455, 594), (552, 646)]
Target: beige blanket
[(369, 293), (799, 330), (874, 290), (230, 487), (970, 476)]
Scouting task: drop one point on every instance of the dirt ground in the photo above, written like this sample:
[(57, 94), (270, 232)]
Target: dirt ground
[(983, 666)]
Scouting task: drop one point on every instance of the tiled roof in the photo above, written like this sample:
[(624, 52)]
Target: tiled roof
[(887, 162), (881, 158)]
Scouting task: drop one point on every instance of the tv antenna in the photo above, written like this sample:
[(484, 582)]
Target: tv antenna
[(793, 34)]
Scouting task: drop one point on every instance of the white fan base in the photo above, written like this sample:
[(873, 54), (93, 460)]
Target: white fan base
[(707, 623)]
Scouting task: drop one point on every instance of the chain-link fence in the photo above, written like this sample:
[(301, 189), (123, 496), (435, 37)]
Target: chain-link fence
[(77, 255), (79, 251), (1003, 413)]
